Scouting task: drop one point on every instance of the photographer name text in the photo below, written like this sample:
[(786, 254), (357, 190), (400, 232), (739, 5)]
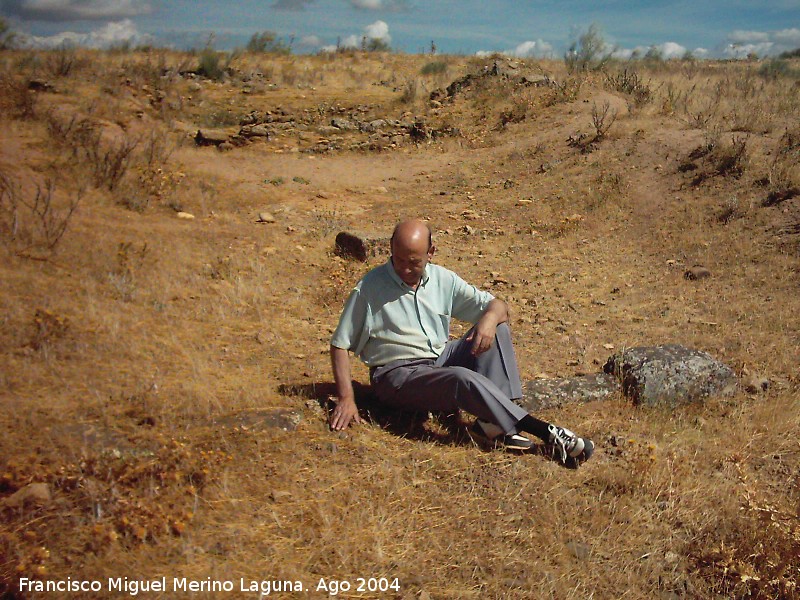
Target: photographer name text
[(262, 587)]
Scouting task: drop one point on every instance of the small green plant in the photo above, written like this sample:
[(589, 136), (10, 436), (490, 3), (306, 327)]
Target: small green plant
[(777, 68), (375, 45), (409, 93), (268, 42), (276, 181), (436, 67), (208, 65)]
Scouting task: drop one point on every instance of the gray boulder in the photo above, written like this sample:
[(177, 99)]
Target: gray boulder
[(541, 394), (669, 375), (342, 124), (210, 138)]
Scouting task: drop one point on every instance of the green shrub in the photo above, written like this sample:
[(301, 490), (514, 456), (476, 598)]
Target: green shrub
[(268, 42), (436, 67), (208, 65)]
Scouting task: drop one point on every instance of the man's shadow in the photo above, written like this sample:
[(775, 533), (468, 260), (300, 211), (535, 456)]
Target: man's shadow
[(436, 427)]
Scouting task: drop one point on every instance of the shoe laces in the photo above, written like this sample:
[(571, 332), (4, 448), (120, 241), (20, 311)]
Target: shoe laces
[(562, 440)]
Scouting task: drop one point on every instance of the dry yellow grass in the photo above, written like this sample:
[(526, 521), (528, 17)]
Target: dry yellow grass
[(137, 349)]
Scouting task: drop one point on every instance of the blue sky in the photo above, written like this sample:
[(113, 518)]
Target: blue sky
[(713, 28)]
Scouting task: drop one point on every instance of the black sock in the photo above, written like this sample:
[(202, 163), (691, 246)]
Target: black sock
[(536, 427)]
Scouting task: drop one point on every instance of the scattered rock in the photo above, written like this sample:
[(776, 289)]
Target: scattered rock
[(225, 147), (278, 495), (37, 494), (185, 215), (755, 384), (358, 247), (697, 272), (669, 375), (579, 550), (210, 138), (343, 124), (249, 131), (540, 394), (40, 85), (258, 420), (265, 217)]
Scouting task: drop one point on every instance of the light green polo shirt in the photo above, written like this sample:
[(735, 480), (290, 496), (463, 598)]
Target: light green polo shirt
[(384, 319)]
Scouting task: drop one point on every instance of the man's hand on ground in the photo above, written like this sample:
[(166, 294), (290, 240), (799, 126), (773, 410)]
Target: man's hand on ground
[(344, 412)]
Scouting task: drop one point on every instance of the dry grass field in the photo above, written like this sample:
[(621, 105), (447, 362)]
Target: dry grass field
[(164, 350)]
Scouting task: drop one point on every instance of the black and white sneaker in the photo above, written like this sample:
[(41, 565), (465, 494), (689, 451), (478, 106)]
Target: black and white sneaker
[(492, 433), (570, 447)]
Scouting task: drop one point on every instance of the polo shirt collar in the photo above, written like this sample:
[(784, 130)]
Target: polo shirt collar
[(396, 278)]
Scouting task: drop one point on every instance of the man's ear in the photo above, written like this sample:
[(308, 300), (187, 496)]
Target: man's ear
[(431, 251)]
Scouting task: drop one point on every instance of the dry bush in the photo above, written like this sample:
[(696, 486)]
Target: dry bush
[(602, 120), (106, 158), (33, 227), (153, 180), (16, 98), (783, 171), (631, 83), (65, 61), (567, 90)]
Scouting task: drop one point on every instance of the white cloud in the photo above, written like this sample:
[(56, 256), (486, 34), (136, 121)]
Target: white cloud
[(788, 37), (109, 35), (529, 49), (536, 48), (671, 50), (367, 4), (740, 44), (309, 41), (378, 30), (745, 50), (748, 37), (292, 5), (389, 5), (76, 10)]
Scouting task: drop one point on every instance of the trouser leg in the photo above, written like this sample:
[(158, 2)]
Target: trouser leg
[(482, 386), (498, 363), (447, 389)]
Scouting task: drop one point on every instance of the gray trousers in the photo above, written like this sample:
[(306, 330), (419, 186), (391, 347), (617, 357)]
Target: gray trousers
[(482, 385)]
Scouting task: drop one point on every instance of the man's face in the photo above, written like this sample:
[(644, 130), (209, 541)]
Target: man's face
[(409, 260)]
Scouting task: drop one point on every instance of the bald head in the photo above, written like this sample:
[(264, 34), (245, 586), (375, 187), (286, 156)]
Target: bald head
[(412, 249), (412, 232)]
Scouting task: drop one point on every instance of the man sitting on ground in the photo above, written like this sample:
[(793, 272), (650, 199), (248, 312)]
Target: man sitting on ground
[(397, 320)]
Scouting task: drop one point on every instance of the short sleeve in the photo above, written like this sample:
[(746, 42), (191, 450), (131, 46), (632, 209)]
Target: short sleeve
[(469, 303), (352, 323)]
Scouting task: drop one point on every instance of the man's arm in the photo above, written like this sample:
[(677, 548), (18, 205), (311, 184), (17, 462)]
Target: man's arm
[(482, 336), (346, 410)]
